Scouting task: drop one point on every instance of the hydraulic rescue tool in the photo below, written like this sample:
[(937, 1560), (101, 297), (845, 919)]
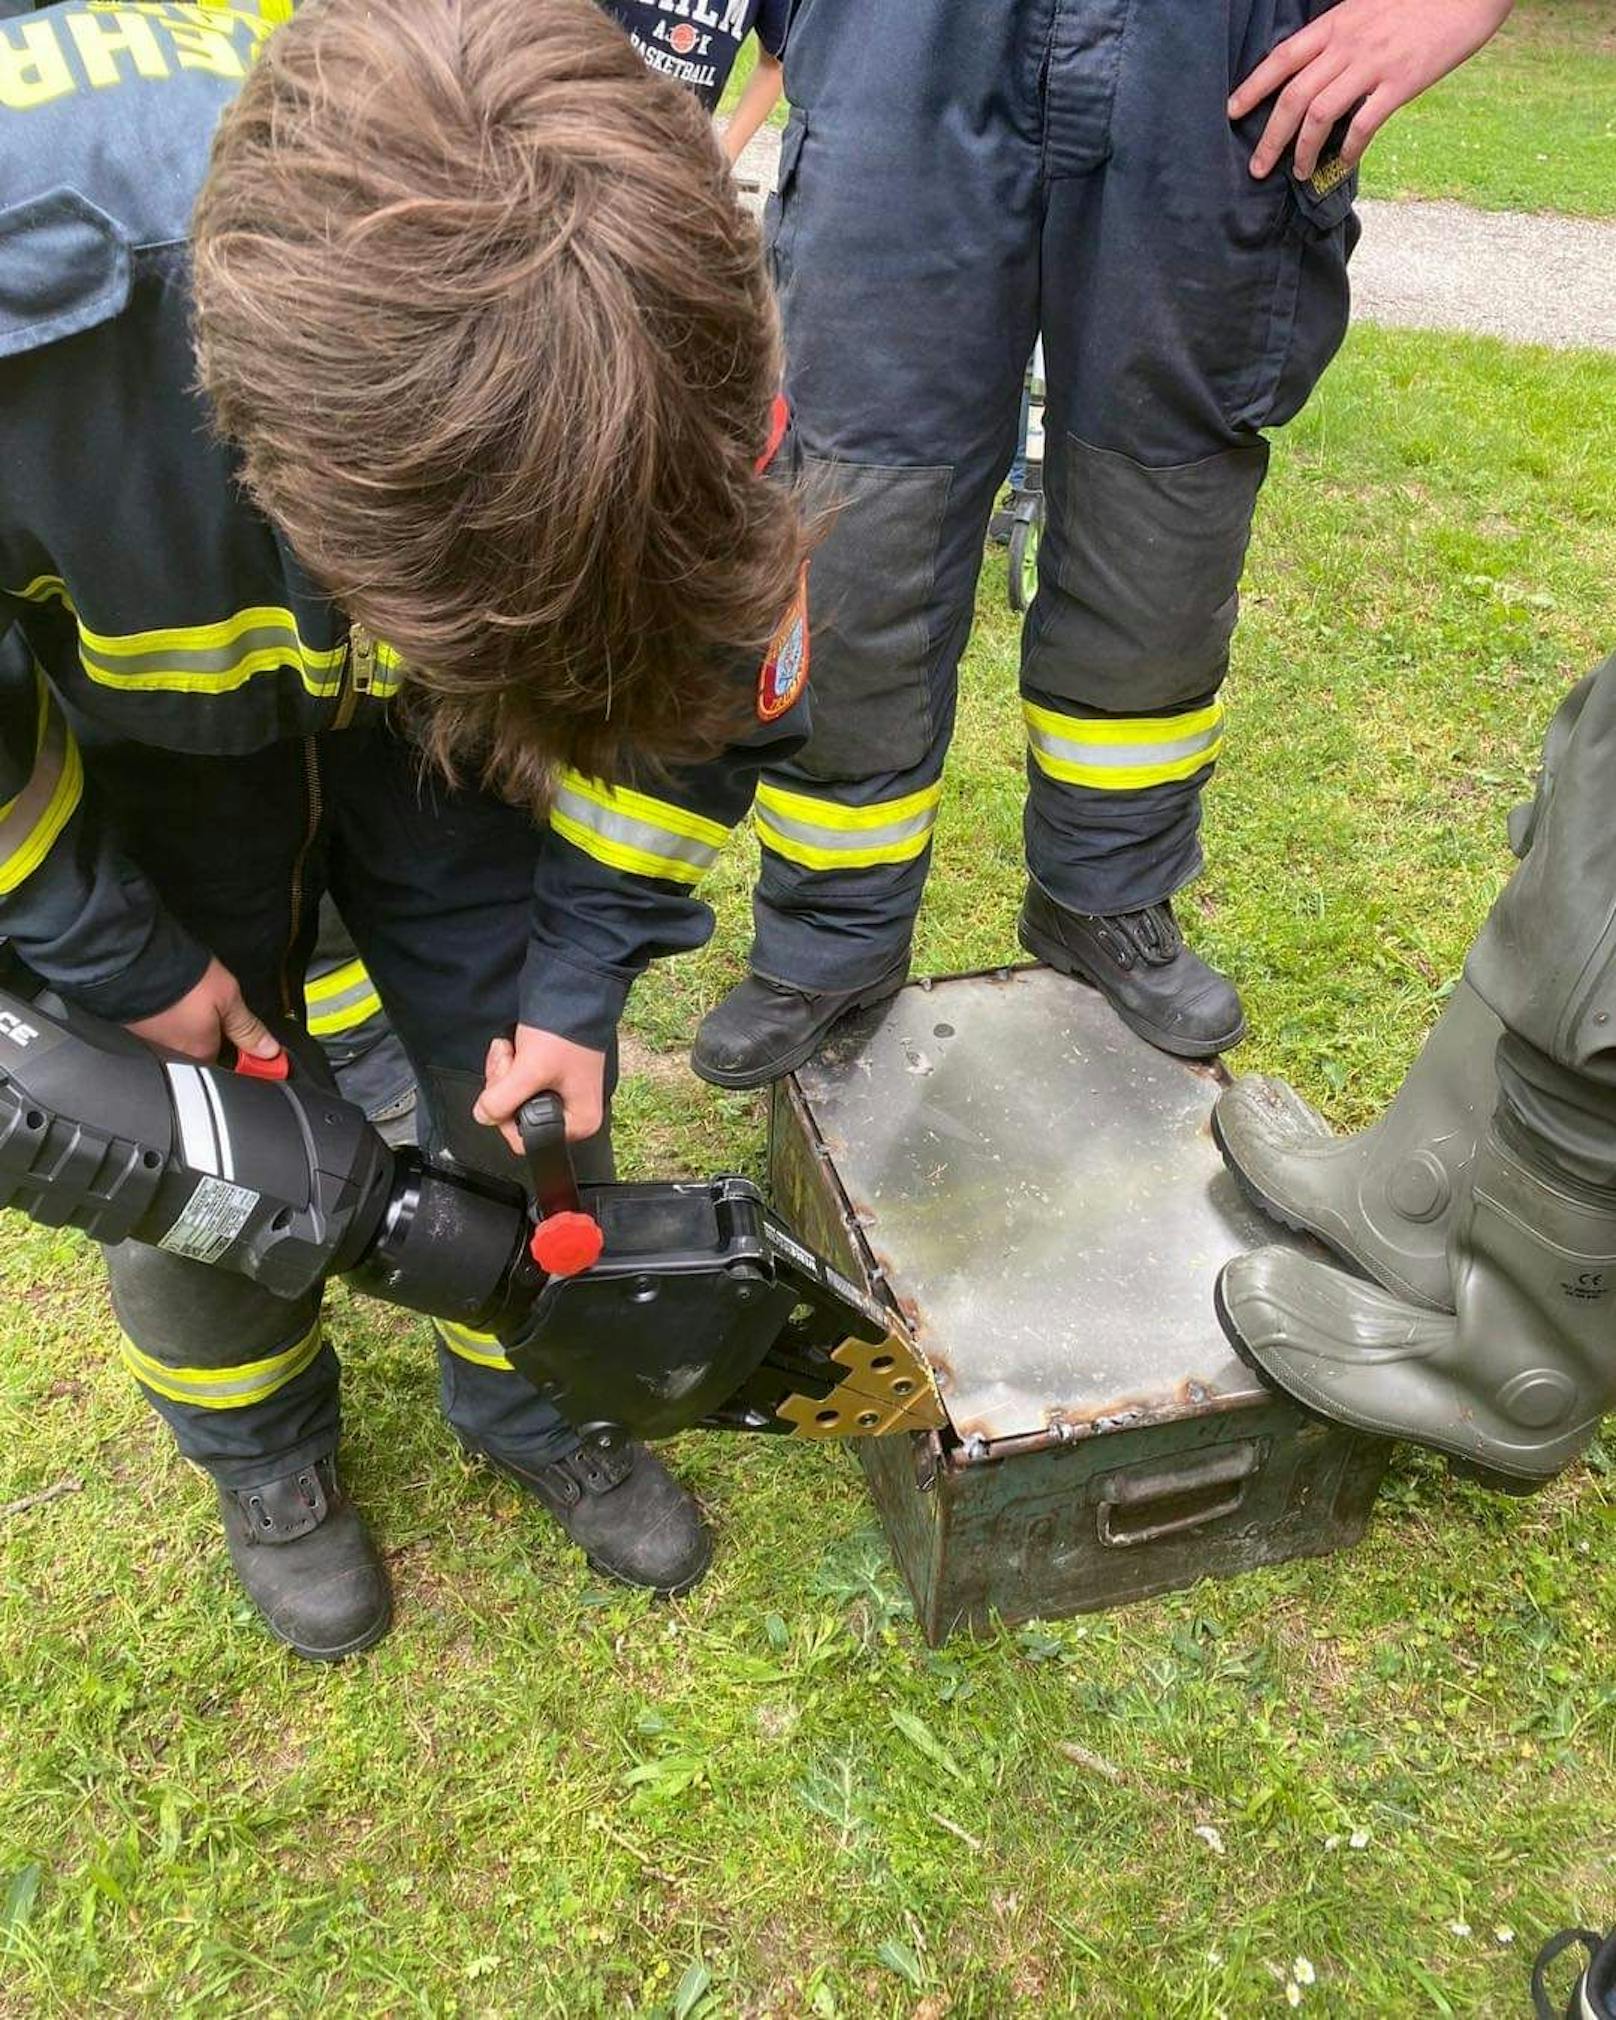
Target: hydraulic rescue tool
[(640, 1310)]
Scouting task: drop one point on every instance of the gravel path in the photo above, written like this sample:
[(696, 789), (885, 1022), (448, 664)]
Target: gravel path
[(1442, 266)]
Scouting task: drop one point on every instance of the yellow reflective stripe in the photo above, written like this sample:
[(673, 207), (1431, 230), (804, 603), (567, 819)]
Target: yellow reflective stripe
[(813, 857), (631, 831), (347, 1017), (621, 855), (32, 820), (340, 1000), (389, 670), (222, 1388), (641, 807), (199, 658), (335, 982), (828, 835), (1130, 729), (833, 814), (1123, 754), (482, 1349)]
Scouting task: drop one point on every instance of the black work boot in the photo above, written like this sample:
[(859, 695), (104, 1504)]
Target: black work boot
[(302, 1550), (764, 1030), (1139, 962), (623, 1509), (1593, 1996)]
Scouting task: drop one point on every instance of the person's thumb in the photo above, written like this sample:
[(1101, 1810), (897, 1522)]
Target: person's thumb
[(494, 1105), (246, 1032)]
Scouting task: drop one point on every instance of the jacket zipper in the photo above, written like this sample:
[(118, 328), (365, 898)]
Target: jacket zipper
[(359, 676), (360, 672), (292, 1005)]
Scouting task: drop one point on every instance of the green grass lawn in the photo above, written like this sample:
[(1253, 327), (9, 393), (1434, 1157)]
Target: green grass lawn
[(1528, 124), (541, 1797)]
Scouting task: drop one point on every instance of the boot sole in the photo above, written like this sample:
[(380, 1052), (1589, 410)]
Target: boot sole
[(719, 1076), (685, 1586), (1519, 1485), (357, 1646), (1057, 955), (1271, 1209)]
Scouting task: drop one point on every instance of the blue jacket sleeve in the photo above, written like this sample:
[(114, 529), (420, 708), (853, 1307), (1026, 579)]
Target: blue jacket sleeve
[(615, 886), (81, 915), (773, 20)]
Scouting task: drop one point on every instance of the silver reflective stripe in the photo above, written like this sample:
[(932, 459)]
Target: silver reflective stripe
[(195, 1118), (481, 1349), (31, 822), (221, 1128), (342, 1010), (197, 658), (344, 999), (222, 1388), (620, 830), (205, 662), (852, 841), (1124, 756)]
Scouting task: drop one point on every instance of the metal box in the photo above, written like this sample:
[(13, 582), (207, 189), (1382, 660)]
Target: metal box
[(1040, 1192)]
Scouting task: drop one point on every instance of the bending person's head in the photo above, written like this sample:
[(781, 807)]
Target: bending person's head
[(479, 308)]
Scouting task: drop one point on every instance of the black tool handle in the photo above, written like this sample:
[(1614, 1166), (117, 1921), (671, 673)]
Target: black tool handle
[(543, 1126)]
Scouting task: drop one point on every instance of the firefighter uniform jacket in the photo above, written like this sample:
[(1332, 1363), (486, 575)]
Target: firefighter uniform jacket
[(143, 598)]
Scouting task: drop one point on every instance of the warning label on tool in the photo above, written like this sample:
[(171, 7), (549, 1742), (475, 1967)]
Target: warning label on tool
[(853, 1294), (214, 1215), (782, 1244)]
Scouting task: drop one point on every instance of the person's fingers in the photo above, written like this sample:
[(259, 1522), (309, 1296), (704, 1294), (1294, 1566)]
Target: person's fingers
[(585, 1114), (581, 1103), (1367, 121), (497, 1063), (1290, 109), (1329, 107), (246, 1032), (1293, 54)]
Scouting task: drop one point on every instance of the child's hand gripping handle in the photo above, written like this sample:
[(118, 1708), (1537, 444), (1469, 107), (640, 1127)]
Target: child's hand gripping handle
[(567, 1239)]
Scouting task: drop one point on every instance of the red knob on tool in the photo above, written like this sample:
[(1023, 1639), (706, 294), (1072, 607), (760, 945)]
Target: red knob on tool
[(564, 1244), (251, 1067)]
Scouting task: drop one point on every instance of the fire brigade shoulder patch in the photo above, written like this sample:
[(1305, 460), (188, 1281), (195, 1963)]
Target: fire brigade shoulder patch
[(784, 674)]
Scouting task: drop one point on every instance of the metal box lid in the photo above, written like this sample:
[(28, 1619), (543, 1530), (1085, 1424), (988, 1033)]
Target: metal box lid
[(1041, 1188)]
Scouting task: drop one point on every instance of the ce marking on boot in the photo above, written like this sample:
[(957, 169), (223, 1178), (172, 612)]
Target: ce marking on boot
[(1590, 1285)]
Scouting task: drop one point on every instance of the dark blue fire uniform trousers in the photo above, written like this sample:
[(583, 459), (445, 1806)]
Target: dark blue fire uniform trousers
[(956, 178), (436, 887)]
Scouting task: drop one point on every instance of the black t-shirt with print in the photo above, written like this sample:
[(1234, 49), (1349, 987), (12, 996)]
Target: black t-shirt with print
[(696, 42)]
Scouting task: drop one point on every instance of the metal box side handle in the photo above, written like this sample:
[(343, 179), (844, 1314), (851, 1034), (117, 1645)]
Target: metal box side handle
[(1187, 1496)]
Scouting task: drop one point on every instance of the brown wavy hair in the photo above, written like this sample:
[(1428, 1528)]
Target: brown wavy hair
[(477, 304)]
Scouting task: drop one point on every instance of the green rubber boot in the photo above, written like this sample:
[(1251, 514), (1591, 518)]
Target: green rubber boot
[(1385, 1200), (1511, 1387)]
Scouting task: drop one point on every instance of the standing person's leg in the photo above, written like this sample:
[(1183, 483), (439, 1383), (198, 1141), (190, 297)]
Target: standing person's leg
[(244, 1379), (1546, 959), (1185, 309), (905, 240), (436, 885), (1514, 1382)]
